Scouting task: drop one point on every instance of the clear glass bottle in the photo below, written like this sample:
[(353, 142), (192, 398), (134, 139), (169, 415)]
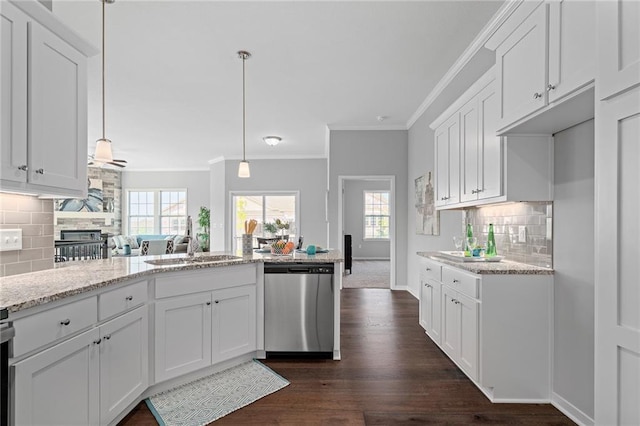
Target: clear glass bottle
[(468, 250), (491, 243)]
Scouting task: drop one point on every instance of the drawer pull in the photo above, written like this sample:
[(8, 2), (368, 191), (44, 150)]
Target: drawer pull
[(107, 337), (455, 281), (65, 322), (550, 87), (97, 342), (129, 298), (40, 171), (208, 303), (24, 168), (537, 95), (428, 285), (428, 269), (217, 301)]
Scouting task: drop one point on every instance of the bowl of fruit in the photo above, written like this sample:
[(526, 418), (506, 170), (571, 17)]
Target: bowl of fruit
[(282, 248)]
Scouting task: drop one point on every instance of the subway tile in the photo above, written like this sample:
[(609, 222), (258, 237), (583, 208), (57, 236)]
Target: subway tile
[(30, 254), (47, 229), (44, 241), (29, 204), (48, 252), (31, 230), (17, 218), (41, 218), (47, 206), (9, 202), (17, 268), (9, 257), (41, 265), (26, 243)]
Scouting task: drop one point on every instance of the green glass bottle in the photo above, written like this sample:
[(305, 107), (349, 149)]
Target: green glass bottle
[(468, 250), (491, 243)]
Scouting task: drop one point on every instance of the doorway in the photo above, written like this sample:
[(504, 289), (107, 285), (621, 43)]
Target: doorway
[(366, 211)]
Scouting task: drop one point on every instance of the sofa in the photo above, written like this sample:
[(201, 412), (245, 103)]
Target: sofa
[(147, 244)]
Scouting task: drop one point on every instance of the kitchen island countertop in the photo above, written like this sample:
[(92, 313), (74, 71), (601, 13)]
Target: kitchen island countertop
[(504, 267), (18, 292)]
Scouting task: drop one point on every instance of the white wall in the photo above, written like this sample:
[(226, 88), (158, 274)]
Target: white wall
[(573, 239), (370, 153), (195, 182), (308, 176), (420, 161), (354, 219)]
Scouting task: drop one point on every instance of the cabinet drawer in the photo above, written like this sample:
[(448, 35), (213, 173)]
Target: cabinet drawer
[(122, 299), (181, 283), (462, 282), (45, 327), (430, 270)]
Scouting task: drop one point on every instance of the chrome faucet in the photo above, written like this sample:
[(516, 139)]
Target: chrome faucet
[(192, 245)]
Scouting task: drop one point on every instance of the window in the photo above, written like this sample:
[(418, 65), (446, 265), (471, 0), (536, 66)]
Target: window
[(157, 212), (376, 215), (264, 208)]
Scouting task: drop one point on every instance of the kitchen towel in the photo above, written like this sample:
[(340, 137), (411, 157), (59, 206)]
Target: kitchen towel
[(207, 399)]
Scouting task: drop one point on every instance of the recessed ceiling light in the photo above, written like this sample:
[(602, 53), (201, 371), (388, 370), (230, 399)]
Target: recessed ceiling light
[(272, 140)]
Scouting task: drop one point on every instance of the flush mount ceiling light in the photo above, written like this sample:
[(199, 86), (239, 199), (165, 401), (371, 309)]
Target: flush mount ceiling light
[(243, 168), (272, 140), (103, 153)]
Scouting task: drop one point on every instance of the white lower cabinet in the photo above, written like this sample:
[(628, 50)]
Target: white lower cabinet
[(86, 380), (495, 327), (198, 330)]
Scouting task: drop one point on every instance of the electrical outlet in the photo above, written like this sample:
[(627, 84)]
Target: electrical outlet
[(522, 234), (10, 239)]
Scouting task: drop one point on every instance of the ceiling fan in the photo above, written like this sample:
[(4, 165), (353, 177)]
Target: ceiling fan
[(117, 163)]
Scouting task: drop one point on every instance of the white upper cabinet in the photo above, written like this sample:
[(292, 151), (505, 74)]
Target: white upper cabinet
[(545, 57), (448, 162), (44, 103), (619, 46)]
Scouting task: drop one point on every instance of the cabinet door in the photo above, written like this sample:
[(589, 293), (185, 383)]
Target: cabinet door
[(469, 152), (124, 362), (468, 360), (490, 151), (572, 46), (59, 386), (425, 301), (234, 322), (450, 323), (448, 162), (57, 112), (434, 311), (13, 75), (618, 46), (183, 335), (522, 65)]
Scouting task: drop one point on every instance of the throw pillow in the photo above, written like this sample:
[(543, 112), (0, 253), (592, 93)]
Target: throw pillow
[(179, 239), (131, 240), (119, 241)]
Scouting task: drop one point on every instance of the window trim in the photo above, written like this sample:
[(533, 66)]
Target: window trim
[(364, 215), (231, 225), (156, 207)]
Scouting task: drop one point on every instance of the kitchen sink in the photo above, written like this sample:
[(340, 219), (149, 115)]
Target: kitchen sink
[(191, 260)]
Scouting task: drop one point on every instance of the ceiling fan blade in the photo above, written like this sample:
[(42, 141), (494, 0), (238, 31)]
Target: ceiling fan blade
[(119, 161), (116, 164), (91, 163)]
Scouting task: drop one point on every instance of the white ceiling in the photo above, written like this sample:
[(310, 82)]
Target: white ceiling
[(174, 80)]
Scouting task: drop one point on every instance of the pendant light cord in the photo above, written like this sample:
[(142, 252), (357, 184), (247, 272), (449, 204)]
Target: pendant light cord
[(104, 2), (244, 58)]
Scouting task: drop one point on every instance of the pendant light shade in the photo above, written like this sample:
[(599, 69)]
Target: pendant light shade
[(243, 167), (103, 151)]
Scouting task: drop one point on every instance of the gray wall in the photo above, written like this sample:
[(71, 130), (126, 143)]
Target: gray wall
[(308, 176), (573, 216), (195, 182), (371, 153), (420, 161), (354, 219)]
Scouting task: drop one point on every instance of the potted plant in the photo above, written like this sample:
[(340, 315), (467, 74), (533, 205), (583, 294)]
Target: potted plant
[(269, 228), (204, 220)]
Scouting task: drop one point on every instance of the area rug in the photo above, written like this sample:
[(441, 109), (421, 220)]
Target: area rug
[(368, 274), (207, 399)]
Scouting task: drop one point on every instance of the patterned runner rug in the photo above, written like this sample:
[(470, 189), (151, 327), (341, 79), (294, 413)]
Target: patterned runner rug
[(207, 399)]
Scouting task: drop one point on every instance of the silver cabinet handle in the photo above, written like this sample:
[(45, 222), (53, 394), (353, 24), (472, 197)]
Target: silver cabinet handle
[(107, 337), (550, 87), (444, 198), (479, 191), (40, 171), (474, 191), (537, 95), (217, 301), (455, 281), (65, 322), (97, 342), (129, 298), (428, 285), (24, 168), (428, 269), (208, 303)]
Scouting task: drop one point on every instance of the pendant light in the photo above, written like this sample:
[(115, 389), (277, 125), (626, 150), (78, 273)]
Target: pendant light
[(103, 153), (243, 168)]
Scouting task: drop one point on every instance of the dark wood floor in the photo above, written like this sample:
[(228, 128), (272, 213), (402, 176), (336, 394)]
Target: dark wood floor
[(390, 374)]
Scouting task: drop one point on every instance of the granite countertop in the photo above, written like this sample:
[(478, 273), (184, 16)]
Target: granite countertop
[(504, 267), (18, 292)]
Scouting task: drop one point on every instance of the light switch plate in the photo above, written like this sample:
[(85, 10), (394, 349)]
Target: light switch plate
[(10, 239), (522, 234)]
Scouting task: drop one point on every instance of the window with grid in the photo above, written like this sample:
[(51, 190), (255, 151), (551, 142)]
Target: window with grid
[(376, 215), (157, 212)]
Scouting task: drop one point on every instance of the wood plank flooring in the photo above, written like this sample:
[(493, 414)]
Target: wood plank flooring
[(390, 374)]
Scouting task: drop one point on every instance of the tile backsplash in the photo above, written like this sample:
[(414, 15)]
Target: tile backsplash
[(523, 231), (35, 217)]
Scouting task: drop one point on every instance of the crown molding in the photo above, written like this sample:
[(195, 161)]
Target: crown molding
[(371, 127), (485, 34)]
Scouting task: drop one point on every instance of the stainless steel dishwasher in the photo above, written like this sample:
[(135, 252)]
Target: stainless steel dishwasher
[(298, 309)]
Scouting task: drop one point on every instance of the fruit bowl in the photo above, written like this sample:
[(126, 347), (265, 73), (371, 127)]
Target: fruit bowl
[(282, 247)]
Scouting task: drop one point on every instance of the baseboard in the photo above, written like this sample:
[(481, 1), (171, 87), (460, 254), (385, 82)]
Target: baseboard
[(371, 258), (401, 288), (411, 292), (570, 410)]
